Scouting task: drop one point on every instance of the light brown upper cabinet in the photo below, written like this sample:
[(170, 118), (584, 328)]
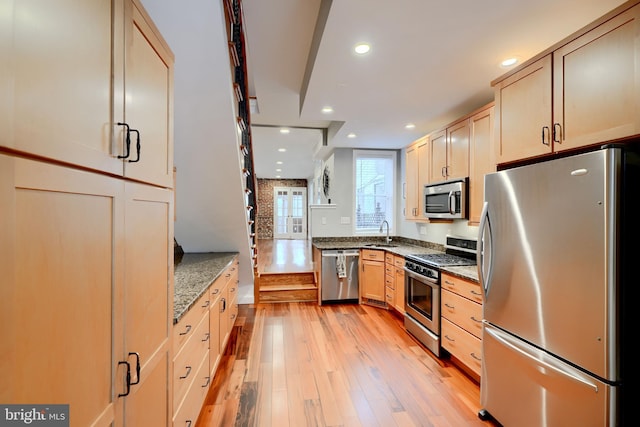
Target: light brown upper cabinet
[(417, 175), (67, 85), (449, 152), (583, 91), (481, 159)]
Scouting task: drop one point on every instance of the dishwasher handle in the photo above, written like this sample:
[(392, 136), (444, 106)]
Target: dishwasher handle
[(335, 254)]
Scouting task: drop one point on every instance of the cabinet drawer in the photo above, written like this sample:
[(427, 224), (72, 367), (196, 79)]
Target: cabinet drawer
[(465, 288), (389, 296), (464, 346), (389, 269), (185, 327), (398, 261), (390, 281), (187, 361), (388, 258), (372, 254), (463, 312), (216, 288), (187, 413)]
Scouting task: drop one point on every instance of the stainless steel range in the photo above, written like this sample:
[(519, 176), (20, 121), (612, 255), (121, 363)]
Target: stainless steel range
[(422, 288)]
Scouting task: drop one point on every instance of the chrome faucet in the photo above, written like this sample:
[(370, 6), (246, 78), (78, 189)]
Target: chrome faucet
[(388, 239)]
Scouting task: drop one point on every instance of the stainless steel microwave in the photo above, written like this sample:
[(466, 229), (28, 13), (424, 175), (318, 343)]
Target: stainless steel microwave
[(446, 200)]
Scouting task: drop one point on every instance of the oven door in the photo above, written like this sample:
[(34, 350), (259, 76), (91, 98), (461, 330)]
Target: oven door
[(422, 310)]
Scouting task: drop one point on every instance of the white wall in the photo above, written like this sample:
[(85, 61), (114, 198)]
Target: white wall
[(211, 214), (329, 220)]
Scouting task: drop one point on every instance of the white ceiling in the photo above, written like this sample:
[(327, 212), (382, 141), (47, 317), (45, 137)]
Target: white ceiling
[(430, 63)]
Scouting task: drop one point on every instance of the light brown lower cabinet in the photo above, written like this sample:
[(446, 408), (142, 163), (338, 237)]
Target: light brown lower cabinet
[(199, 339), (461, 327), (86, 293)]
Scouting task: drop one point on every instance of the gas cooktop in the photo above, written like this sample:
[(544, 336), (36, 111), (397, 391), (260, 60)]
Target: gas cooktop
[(459, 251), (442, 260)]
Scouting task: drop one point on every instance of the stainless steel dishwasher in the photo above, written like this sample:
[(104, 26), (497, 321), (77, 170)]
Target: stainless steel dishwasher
[(340, 275)]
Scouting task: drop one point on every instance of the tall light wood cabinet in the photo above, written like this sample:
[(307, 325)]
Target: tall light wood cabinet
[(86, 241), (481, 159), (67, 86), (148, 296), (583, 91), (416, 176), (61, 296)]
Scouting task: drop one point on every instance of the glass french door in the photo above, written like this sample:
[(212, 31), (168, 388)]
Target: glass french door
[(290, 213)]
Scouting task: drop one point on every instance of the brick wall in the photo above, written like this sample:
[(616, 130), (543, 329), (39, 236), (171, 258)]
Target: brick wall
[(264, 218)]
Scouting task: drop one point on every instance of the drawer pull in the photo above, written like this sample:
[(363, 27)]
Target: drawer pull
[(206, 304), (475, 320), (187, 330), (449, 338), (232, 290), (206, 337), (188, 423), (216, 291), (476, 293), (224, 305), (233, 317), (479, 359), (449, 283), (228, 275), (452, 307), (187, 374), (206, 384)]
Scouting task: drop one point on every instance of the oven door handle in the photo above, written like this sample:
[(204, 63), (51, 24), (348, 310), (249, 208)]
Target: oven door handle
[(420, 277)]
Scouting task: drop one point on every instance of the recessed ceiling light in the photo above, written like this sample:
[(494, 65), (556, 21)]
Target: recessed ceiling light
[(509, 62), (362, 48), (278, 170), (282, 150), (327, 110), (277, 176), (278, 162), (351, 135), (409, 126), (284, 130)]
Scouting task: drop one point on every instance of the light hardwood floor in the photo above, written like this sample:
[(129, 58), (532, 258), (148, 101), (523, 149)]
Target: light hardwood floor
[(300, 364)]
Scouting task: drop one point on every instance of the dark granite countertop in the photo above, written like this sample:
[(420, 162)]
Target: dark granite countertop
[(193, 275), (401, 246)]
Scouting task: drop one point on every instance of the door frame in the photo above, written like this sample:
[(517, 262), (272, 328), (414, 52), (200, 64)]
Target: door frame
[(290, 235)]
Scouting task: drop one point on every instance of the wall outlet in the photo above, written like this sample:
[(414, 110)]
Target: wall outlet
[(423, 230), (345, 220), (324, 220)]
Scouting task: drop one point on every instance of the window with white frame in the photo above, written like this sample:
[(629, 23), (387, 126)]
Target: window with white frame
[(374, 183)]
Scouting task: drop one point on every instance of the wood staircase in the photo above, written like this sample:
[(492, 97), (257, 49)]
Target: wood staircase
[(287, 287)]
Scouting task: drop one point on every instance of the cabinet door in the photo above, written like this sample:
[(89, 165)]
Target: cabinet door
[(523, 113), (56, 86), (458, 150), (215, 351), (596, 84), (61, 257), (148, 100), (438, 161), (148, 300), (481, 160), (411, 178), (423, 175), (399, 290), (372, 280)]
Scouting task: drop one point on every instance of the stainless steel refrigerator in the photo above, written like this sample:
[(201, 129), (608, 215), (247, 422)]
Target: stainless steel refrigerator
[(557, 246)]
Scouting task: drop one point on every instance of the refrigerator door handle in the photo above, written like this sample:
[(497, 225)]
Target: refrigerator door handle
[(484, 224), (527, 352)]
